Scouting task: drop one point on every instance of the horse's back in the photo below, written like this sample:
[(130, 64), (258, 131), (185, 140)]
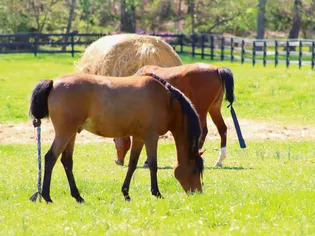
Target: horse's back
[(200, 82), (110, 106)]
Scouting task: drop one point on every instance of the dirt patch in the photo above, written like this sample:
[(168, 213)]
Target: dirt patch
[(252, 130)]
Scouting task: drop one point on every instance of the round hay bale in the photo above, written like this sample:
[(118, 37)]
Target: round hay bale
[(124, 54)]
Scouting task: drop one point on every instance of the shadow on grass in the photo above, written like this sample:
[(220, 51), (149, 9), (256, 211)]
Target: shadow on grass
[(206, 168), (228, 168)]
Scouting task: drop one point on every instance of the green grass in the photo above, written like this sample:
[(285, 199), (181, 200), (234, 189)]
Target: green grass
[(19, 74), (266, 188), (277, 95)]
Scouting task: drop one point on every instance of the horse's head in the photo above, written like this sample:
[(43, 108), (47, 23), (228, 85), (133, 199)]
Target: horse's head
[(122, 147), (190, 174)]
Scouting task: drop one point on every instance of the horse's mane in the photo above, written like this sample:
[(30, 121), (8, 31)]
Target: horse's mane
[(193, 123)]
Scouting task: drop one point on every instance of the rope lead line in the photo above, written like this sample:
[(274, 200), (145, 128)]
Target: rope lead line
[(237, 127), (33, 198)]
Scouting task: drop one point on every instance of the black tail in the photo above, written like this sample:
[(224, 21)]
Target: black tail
[(39, 100), (194, 128), (227, 76)]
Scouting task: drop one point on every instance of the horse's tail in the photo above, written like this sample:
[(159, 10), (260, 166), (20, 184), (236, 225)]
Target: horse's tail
[(194, 128), (39, 99), (227, 77)]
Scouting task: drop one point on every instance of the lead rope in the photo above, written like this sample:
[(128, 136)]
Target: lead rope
[(33, 198), (237, 128)]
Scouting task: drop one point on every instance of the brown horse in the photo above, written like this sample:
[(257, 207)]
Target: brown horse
[(143, 107), (204, 85)]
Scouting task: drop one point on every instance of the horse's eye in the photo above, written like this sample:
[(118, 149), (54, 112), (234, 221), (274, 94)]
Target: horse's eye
[(195, 171)]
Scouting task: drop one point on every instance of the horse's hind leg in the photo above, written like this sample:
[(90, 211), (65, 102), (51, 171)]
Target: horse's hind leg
[(136, 148), (67, 162), (151, 143), (215, 113), (58, 146)]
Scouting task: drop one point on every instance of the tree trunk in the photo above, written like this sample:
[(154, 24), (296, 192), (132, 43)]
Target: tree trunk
[(73, 3), (127, 17), (179, 15), (296, 22), (261, 19), (192, 12)]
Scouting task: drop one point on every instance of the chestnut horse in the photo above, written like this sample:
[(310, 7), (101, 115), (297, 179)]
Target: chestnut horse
[(143, 107), (204, 85)]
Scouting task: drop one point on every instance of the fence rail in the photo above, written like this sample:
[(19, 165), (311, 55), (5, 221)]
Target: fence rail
[(295, 52)]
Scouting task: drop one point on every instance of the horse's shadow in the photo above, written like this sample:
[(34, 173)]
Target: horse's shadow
[(208, 168), (227, 168)]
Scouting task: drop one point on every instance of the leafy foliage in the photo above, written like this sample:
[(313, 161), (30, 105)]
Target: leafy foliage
[(90, 16)]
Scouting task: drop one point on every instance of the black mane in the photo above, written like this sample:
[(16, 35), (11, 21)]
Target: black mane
[(193, 123)]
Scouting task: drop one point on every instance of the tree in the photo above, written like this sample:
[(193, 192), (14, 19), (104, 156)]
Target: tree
[(261, 19), (70, 18), (40, 12), (127, 16), (296, 21), (191, 10)]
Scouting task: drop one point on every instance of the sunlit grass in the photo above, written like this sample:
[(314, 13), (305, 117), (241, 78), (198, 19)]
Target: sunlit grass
[(266, 188), (277, 95)]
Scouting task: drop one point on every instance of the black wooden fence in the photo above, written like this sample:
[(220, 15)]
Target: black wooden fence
[(298, 52)]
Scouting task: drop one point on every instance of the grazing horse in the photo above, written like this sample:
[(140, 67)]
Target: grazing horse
[(143, 107), (204, 85)]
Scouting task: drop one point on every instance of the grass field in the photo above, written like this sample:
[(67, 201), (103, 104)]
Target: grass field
[(271, 94), (268, 188)]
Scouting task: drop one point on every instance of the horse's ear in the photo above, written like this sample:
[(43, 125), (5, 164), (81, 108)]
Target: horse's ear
[(201, 152)]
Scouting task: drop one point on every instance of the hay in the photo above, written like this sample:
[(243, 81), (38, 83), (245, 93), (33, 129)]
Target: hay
[(125, 54)]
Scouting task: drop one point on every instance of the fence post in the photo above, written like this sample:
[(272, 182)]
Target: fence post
[(300, 54), (232, 49), (211, 46), (222, 49), (181, 43), (193, 45), (313, 55), (287, 54), (276, 53), (202, 47), (243, 52), (254, 53), (265, 54), (35, 44), (72, 44)]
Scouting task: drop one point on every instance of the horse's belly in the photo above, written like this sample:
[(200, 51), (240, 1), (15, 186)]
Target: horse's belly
[(108, 129)]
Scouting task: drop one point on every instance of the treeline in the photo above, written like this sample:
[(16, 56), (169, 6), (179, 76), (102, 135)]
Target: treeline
[(244, 18)]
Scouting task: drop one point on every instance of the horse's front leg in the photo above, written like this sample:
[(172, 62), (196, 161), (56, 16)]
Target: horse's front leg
[(67, 162), (151, 148), (203, 136), (136, 148), (217, 118)]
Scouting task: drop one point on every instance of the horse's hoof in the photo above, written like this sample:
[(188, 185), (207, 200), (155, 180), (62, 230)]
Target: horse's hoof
[(146, 165), (218, 164), (48, 201), (127, 199), (119, 162), (80, 200)]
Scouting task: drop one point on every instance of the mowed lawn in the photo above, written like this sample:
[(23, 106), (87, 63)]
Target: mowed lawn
[(266, 189)]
